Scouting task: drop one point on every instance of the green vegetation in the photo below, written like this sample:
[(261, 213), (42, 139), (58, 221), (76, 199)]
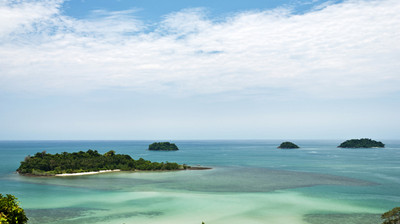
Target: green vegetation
[(163, 146), (361, 143), (10, 212), (288, 145), (392, 216), (45, 164)]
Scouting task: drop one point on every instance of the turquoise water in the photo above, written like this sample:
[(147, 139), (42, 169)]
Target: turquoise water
[(251, 182)]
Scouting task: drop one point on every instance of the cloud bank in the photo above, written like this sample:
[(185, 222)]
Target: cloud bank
[(349, 50)]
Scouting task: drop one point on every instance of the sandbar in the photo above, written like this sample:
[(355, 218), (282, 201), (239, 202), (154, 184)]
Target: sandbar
[(85, 173)]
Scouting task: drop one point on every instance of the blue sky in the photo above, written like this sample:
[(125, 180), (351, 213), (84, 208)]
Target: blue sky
[(102, 69), (154, 10)]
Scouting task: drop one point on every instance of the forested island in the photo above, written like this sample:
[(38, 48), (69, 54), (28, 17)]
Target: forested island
[(163, 146), (45, 164), (288, 145), (361, 143)]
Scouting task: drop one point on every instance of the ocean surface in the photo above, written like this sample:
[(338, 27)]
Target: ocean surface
[(250, 182)]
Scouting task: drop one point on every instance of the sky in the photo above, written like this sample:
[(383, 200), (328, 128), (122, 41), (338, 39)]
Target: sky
[(190, 69)]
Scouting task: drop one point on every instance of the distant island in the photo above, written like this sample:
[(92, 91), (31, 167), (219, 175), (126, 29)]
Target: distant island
[(288, 145), (361, 143), (45, 164), (163, 146)]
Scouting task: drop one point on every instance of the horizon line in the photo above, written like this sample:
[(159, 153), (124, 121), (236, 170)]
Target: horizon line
[(244, 139)]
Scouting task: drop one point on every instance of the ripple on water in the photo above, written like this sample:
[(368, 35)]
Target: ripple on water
[(82, 215), (233, 179), (357, 218)]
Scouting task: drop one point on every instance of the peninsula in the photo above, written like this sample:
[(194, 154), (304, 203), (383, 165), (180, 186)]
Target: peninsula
[(361, 143), (163, 146), (288, 145), (45, 164)]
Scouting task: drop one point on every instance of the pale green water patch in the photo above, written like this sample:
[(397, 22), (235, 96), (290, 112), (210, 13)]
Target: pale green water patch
[(186, 208)]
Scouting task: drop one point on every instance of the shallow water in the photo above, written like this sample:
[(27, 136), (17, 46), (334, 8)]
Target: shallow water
[(251, 182)]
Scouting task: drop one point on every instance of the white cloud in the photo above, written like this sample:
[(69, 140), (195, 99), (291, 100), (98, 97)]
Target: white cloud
[(21, 17), (350, 49)]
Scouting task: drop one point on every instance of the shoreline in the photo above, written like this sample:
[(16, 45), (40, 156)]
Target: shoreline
[(108, 171), (86, 173), (198, 168)]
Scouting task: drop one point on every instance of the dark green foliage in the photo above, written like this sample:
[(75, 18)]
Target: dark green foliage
[(163, 146), (361, 143), (10, 212), (110, 153), (76, 162), (288, 145), (392, 216)]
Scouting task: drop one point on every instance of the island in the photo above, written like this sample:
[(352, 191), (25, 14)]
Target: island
[(288, 145), (91, 161), (163, 146), (361, 143)]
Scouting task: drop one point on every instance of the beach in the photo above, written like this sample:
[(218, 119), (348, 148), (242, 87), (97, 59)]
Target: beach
[(86, 173)]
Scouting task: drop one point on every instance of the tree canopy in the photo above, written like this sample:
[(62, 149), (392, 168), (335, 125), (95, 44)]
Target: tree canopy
[(392, 216), (288, 145), (361, 143), (163, 146), (10, 212), (43, 163)]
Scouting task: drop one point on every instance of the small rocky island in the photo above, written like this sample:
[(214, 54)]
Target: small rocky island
[(163, 146), (361, 143), (288, 145), (45, 164)]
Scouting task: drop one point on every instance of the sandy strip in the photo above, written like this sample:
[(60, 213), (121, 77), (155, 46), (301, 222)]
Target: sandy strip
[(85, 173)]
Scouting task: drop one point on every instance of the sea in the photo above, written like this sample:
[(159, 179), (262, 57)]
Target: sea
[(251, 182)]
